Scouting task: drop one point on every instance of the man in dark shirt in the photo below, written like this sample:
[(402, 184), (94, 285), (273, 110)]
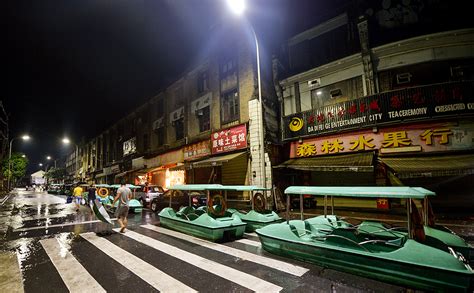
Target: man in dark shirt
[(91, 195)]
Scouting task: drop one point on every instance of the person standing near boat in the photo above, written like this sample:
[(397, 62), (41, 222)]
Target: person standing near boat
[(123, 196), (78, 196), (91, 195)]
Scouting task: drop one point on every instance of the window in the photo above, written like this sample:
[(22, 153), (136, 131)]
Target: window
[(204, 116), (228, 73), (160, 108), (160, 134), (203, 82), (146, 142), (230, 107), (179, 128)]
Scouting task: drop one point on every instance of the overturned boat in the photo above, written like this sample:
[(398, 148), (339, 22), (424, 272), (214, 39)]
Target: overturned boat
[(404, 258)]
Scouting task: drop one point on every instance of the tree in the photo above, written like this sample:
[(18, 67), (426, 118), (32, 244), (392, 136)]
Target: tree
[(18, 165), (55, 173)]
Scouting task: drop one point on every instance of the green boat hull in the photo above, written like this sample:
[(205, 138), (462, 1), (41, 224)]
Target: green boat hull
[(203, 225), (256, 220), (412, 264), (441, 237)]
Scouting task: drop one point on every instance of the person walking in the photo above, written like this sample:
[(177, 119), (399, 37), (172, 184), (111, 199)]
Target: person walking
[(91, 195), (123, 196), (77, 192)]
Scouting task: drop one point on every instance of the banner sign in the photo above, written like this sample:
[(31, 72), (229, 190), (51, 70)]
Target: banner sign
[(416, 103), (197, 150), (229, 139), (130, 146), (432, 137)]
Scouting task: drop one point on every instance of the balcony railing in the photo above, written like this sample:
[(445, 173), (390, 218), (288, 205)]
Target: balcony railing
[(416, 103)]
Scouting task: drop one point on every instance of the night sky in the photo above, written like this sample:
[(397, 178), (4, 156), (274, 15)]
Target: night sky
[(73, 68)]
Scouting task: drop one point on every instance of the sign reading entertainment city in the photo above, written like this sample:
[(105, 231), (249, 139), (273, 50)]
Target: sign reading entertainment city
[(229, 139), (420, 103)]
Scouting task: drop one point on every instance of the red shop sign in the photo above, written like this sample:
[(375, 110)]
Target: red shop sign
[(229, 139)]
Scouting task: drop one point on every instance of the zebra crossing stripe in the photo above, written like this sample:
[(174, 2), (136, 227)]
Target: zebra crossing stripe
[(71, 271), (262, 260), (142, 269), (253, 234), (249, 242), (233, 275)]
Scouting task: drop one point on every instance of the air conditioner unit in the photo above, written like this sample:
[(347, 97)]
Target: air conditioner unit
[(314, 82)]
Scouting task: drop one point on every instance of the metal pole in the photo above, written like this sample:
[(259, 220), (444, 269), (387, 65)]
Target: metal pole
[(408, 201), (261, 126), (77, 154), (288, 208), (301, 207), (9, 163)]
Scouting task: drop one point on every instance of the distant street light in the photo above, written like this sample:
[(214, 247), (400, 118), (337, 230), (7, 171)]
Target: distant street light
[(40, 164), (23, 156), (24, 137), (67, 141), (238, 7), (48, 158)]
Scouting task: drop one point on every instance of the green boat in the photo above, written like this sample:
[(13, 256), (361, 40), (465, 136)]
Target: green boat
[(258, 216), (213, 222), (403, 258), (134, 206)]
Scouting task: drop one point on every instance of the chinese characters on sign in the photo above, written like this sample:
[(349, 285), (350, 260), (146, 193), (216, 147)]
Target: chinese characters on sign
[(432, 137), (229, 139), (197, 150)]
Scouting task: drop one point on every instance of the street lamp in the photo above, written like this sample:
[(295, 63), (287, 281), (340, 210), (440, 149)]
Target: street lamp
[(40, 164), (24, 137), (238, 7), (49, 158), (67, 141)]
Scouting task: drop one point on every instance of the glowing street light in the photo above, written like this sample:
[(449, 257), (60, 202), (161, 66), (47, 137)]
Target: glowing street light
[(236, 6), (67, 141), (48, 158), (24, 137), (40, 164)]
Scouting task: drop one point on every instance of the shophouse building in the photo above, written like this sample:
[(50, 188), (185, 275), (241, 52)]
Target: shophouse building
[(202, 128), (379, 100)]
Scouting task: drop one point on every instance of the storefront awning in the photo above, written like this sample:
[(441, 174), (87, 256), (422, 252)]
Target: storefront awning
[(358, 162), (121, 174), (430, 166), (216, 161)]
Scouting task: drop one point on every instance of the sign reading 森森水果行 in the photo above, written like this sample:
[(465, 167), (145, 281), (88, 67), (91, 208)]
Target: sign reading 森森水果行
[(416, 103), (419, 137), (229, 139)]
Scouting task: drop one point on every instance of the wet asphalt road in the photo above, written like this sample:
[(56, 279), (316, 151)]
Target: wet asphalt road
[(58, 250)]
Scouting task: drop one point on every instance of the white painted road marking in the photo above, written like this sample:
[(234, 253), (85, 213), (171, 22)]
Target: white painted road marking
[(253, 234), (249, 242), (142, 269), (71, 271), (233, 275), (262, 260), (58, 225)]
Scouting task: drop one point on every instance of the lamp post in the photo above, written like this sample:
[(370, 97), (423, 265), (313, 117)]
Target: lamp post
[(49, 159), (66, 141), (25, 138), (238, 7)]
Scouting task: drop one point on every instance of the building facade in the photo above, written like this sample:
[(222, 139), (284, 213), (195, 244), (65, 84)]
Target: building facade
[(358, 110), (202, 128)]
